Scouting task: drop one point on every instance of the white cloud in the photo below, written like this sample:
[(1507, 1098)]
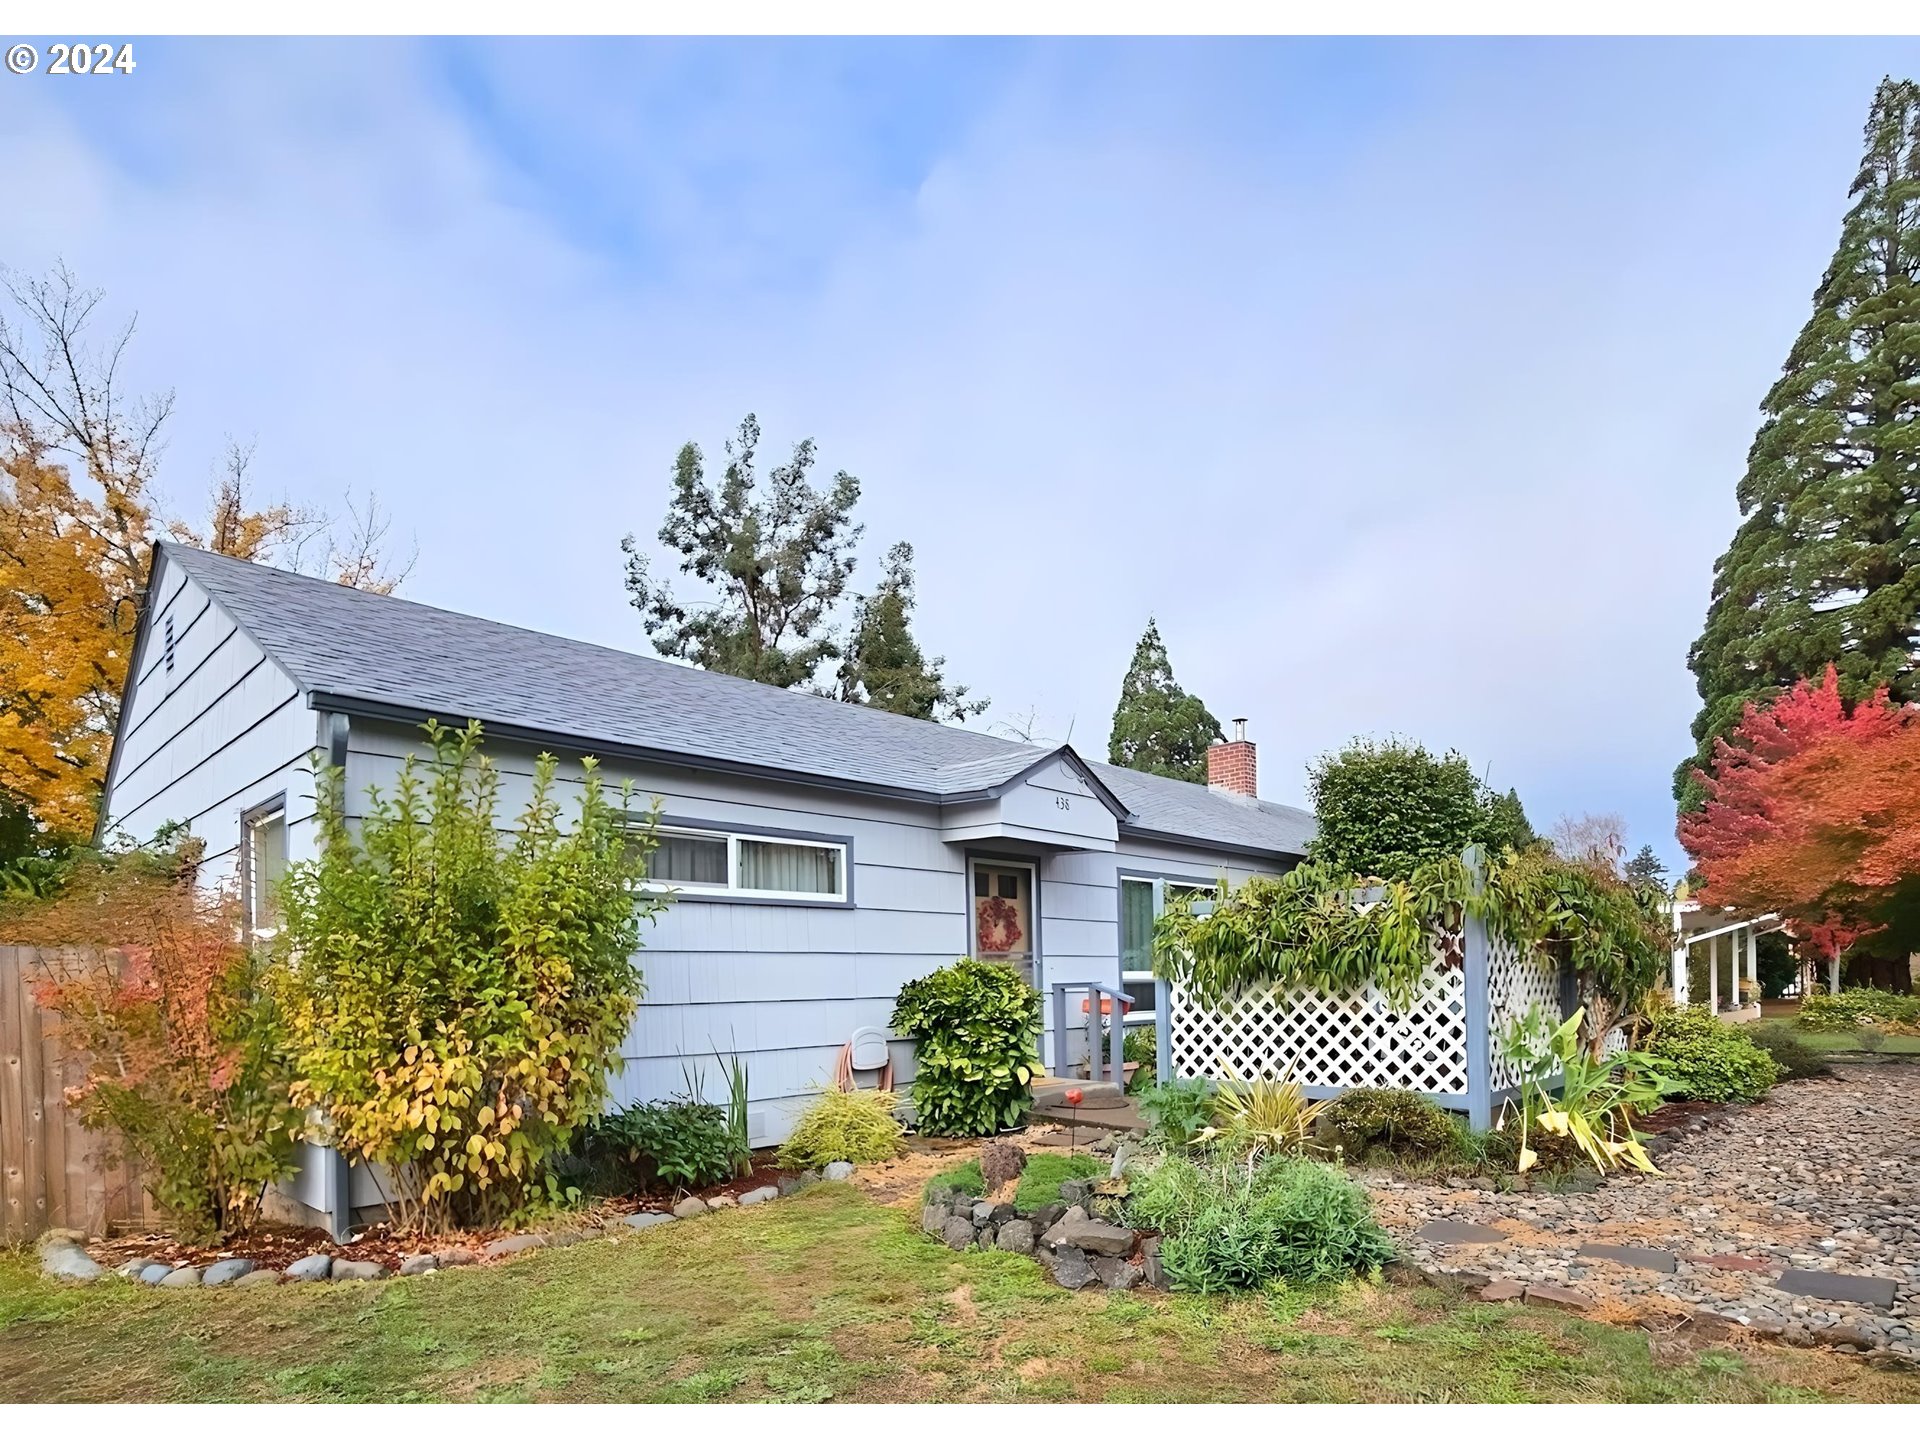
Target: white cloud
[(1407, 385)]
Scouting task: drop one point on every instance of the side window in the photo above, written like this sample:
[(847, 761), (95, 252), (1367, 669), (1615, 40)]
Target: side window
[(1136, 941), (263, 858)]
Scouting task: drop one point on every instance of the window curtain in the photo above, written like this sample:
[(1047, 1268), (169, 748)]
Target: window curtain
[(689, 860), (1136, 925), (800, 869)]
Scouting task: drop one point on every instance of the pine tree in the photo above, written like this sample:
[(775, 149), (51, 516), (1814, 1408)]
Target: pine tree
[(777, 563), (1825, 566), (884, 666), (1158, 727), (1645, 868)]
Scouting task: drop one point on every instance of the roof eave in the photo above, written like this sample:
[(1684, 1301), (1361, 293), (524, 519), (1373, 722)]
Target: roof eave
[(644, 754), (1142, 832)]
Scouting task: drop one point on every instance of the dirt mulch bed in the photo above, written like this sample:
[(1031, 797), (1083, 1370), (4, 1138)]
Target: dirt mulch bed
[(1676, 1113), (274, 1247)]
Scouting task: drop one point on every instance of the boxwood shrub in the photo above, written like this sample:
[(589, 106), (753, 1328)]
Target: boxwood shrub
[(1853, 1008), (1395, 1120), (1709, 1060)]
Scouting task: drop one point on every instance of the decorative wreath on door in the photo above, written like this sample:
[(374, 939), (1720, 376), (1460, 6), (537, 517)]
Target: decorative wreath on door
[(998, 926)]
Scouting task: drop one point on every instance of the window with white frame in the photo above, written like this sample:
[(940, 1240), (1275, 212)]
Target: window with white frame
[(263, 859), (757, 867), (1136, 940)]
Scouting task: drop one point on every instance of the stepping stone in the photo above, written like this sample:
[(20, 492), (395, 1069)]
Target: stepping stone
[(1836, 1285), (1459, 1232), (1503, 1290), (1639, 1257)]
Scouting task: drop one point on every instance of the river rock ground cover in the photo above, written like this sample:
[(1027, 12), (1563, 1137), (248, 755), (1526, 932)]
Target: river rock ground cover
[(1815, 1189)]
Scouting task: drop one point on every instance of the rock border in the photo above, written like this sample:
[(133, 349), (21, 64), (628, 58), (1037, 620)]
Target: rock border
[(63, 1254), (1077, 1249)]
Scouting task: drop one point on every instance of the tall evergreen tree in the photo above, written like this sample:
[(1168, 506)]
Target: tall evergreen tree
[(884, 666), (1645, 868), (1158, 727), (1825, 566), (777, 563)]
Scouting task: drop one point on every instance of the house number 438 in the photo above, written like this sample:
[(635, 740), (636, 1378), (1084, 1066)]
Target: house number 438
[(1062, 802)]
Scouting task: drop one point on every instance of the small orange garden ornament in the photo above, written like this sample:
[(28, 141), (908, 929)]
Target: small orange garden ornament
[(1074, 1097)]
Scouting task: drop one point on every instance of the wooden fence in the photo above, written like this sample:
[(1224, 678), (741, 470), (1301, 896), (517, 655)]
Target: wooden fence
[(53, 1173)]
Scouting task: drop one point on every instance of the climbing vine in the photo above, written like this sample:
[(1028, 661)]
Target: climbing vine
[(1318, 927)]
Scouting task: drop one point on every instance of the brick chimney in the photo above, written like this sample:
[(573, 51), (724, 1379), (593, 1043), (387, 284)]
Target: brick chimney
[(1230, 764)]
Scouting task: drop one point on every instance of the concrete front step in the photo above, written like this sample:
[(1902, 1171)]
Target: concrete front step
[(1050, 1093)]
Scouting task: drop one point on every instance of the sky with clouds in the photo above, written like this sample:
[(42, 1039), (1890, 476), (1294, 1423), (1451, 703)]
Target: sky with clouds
[(1406, 383)]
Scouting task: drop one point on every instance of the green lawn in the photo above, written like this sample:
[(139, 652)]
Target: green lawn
[(1840, 1043), (829, 1296)]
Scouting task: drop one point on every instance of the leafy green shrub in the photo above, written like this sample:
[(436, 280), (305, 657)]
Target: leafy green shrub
[(456, 1004), (1707, 1060), (974, 1024), (1177, 1111), (1039, 1183), (1853, 1008), (1795, 1060), (682, 1143), (1141, 1046), (1395, 1120), (856, 1126), (1385, 808), (1225, 1226)]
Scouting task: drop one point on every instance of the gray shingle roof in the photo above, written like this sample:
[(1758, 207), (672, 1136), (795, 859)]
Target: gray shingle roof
[(380, 651)]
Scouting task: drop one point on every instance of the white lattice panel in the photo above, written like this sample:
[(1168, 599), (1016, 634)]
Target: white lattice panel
[(1517, 981), (1615, 1043), (1349, 1039)]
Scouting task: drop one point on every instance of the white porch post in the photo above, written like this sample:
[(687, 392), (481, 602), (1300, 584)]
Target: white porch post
[(1753, 965), (1733, 970), (1713, 976), (1679, 958)]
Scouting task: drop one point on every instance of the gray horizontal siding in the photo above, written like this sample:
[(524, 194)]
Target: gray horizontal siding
[(784, 986), (224, 730)]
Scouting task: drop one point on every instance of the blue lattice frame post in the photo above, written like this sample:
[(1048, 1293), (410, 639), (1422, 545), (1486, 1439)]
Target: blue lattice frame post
[(1162, 1002), (1476, 966)]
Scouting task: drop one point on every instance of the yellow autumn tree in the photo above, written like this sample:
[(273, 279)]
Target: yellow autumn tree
[(63, 655), (78, 456)]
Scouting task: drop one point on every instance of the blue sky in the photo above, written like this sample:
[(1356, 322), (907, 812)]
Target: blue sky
[(1407, 383)]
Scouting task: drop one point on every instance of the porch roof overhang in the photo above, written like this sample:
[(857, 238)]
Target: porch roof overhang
[(1056, 803)]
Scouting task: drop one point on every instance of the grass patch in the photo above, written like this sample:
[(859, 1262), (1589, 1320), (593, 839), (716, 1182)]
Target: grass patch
[(1039, 1183), (829, 1296), (1833, 1043)]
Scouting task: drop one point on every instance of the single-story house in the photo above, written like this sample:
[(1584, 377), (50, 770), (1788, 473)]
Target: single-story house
[(822, 853)]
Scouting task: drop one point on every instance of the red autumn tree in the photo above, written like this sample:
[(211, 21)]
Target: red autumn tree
[(184, 1060), (1813, 810)]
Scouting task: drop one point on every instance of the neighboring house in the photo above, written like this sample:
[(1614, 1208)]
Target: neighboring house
[(823, 853)]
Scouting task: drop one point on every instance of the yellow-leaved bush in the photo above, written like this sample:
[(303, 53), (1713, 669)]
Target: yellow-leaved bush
[(457, 996)]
